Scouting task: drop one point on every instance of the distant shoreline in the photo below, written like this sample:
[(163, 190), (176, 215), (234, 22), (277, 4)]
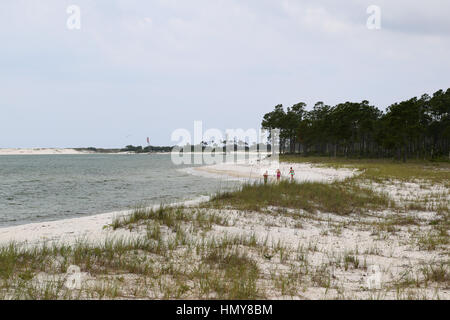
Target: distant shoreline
[(93, 226), (40, 151), (62, 151), (80, 151)]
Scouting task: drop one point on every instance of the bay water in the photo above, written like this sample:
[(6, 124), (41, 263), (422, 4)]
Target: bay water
[(36, 188)]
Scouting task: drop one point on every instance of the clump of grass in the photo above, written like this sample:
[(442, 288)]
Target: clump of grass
[(338, 198), (321, 277), (111, 255), (404, 221), (171, 217), (432, 240), (50, 290), (16, 259), (437, 273), (289, 282), (352, 260), (238, 274), (154, 231), (141, 213), (106, 289)]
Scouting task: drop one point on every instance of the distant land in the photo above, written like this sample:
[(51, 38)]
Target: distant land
[(89, 150), (130, 149)]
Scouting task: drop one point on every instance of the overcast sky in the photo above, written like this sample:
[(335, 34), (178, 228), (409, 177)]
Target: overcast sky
[(145, 68)]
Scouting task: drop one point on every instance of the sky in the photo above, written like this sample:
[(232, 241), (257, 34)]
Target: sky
[(138, 69)]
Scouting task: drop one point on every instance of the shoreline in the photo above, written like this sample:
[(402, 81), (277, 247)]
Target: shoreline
[(70, 230), (327, 252), (85, 151), (54, 151), (304, 172), (92, 226)]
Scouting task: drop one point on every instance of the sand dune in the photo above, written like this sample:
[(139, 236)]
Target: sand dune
[(90, 228)]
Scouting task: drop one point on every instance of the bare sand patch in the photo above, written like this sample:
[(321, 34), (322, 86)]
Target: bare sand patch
[(255, 171)]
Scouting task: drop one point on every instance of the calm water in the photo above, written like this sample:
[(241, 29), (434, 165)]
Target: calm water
[(44, 188)]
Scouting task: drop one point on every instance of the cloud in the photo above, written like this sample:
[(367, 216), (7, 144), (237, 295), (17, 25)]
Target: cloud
[(226, 62), (417, 17)]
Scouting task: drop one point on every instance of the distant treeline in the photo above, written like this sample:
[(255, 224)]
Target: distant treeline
[(129, 148), (98, 150), (240, 146), (415, 128), (225, 147), (148, 149)]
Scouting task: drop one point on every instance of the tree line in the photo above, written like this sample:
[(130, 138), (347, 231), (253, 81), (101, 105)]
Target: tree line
[(147, 149), (414, 128)]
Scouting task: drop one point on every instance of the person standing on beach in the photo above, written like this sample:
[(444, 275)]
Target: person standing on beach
[(292, 173), (266, 176), (278, 175)]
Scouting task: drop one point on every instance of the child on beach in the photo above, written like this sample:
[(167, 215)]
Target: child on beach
[(266, 176), (292, 173), (278, 175)]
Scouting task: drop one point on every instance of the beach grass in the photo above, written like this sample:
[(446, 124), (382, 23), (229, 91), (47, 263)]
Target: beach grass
[(181, 252), (168, 216), (383, 169), (156, 257), (337, 198)]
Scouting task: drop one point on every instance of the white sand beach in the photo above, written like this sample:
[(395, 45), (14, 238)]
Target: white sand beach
[(255, 170), (92, 227), (340, 248), (68, 231)]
